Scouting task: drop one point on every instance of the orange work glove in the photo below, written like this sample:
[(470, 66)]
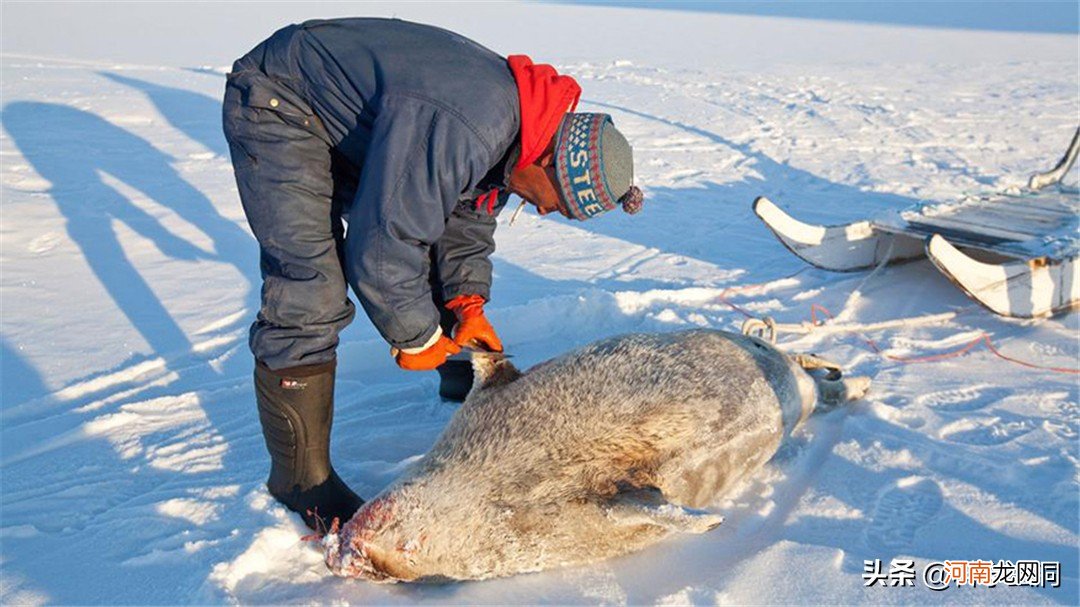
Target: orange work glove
[(427, 359), (473, 329)]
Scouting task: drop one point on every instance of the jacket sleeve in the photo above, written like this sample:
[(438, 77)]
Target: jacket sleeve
[(463, 254), (420, 159)]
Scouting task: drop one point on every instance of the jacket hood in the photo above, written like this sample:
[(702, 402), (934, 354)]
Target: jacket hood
[(545, 97)]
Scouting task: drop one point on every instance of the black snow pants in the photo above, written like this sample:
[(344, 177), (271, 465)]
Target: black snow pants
[(295, 188)]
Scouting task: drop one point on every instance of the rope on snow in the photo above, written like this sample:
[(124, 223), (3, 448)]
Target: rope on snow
[(768, 329)]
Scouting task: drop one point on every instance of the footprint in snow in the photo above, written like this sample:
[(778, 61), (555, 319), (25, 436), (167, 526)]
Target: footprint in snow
[(901, 510), (970, 398), (989, 431)]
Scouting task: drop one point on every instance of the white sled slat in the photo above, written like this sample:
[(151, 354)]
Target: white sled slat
[(840, 248), (1024, 289), (1038, 229), (1045, 225)]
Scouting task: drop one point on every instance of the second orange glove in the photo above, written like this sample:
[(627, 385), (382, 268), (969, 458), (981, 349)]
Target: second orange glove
[(473, 328)]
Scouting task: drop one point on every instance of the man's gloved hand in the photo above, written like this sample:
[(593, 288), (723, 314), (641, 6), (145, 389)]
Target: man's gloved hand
[(473, 329), (427, 359)]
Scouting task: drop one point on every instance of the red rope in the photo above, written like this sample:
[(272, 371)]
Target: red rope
[(969, 346), (982, 338), (723, 299)]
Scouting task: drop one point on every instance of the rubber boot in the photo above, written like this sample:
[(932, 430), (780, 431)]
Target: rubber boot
[(456, 374), (455, 380), (296, 410)]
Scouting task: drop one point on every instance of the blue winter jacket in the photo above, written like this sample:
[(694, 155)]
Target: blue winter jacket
[(432, 120)]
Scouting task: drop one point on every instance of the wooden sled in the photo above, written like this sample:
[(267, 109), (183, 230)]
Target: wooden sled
[(1016, 254)]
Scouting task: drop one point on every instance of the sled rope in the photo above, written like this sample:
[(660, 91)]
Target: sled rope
[(982, 338), (768, 329)]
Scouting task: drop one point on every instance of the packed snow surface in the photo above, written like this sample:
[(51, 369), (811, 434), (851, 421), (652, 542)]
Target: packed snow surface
[(131, 457)]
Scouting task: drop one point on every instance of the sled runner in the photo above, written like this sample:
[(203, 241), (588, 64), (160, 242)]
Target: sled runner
[(1016, 254)]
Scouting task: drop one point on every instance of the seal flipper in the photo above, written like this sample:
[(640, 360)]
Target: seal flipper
[(647, 506)]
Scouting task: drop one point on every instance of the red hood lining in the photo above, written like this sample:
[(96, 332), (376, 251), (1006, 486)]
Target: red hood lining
[(545, 97)]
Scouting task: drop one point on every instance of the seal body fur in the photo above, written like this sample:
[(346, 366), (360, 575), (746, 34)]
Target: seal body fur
[(596, 453)]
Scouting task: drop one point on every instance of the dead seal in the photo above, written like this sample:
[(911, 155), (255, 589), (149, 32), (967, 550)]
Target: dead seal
[(596, 453)]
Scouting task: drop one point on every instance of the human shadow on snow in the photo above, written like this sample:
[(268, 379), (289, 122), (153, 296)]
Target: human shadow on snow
[(19, 380), (196, 115), (81, 155), (73, 153)]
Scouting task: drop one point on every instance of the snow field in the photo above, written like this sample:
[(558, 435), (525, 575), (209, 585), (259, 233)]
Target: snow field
[(131, 456)]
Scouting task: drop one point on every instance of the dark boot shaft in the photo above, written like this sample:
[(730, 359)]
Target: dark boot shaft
[(296, 410)]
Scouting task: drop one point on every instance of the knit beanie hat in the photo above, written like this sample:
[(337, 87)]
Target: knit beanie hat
[(594, 165)]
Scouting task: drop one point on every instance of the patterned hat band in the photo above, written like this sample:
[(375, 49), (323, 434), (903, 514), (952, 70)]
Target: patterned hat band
[(594, 167)]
